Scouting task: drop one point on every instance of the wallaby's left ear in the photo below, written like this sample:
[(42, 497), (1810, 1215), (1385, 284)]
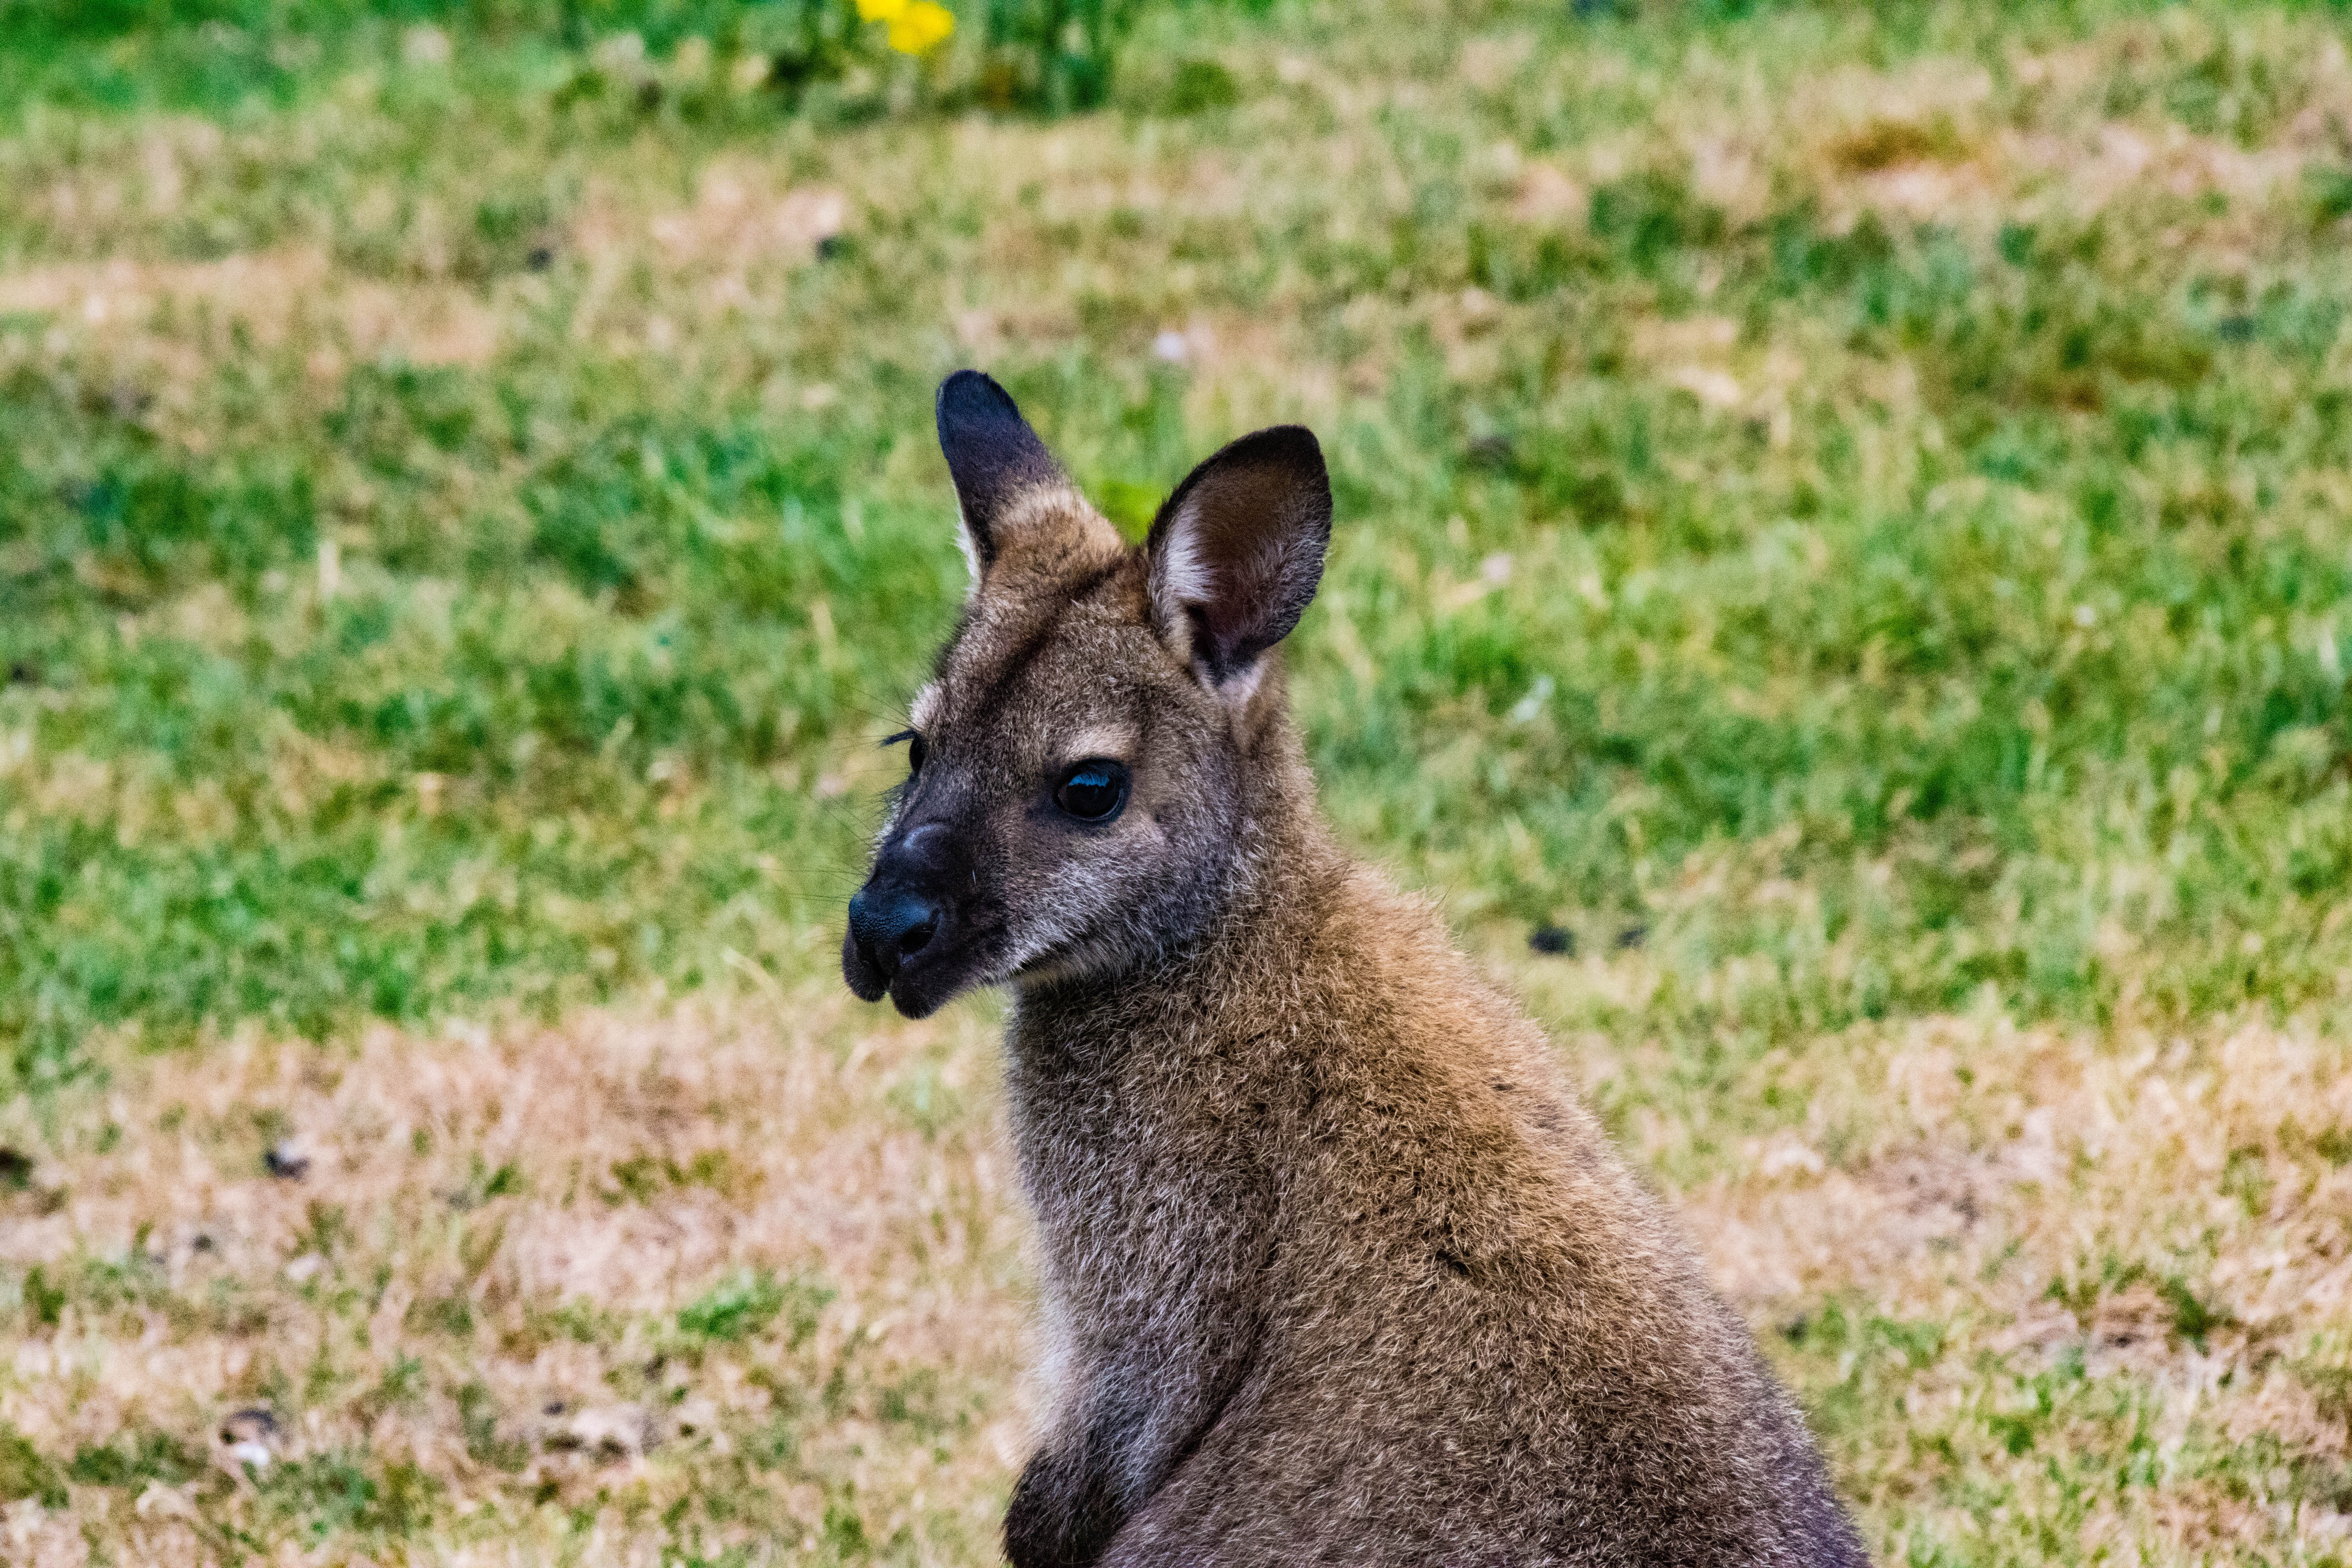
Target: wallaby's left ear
[(993, 455), (1236, 552)]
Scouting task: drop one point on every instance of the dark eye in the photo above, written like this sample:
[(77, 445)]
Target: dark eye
[(916, 749), (1092, 791)]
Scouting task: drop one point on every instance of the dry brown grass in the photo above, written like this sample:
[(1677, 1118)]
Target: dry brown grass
[(1959, 1172), (2156, 1221), (646, 1159)]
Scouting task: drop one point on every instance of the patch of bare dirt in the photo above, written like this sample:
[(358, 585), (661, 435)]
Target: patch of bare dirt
[(271, 296)]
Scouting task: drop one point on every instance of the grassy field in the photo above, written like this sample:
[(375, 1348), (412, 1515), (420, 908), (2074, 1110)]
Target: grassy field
[(1842, 512)]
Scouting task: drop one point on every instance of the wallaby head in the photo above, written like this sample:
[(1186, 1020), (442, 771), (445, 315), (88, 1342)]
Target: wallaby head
[(1103, 732)]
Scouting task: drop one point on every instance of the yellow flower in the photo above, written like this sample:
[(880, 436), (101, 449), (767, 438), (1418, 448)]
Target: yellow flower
[(880, 10), (918, 25)]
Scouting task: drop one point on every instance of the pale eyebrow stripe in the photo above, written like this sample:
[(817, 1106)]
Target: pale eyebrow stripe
[(1111, 741), (923, 709)]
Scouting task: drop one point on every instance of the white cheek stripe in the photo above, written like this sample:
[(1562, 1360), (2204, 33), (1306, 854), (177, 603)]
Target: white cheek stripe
[(1242, 685)]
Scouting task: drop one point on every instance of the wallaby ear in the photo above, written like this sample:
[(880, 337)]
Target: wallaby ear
[(1236, 552), (993, 455)]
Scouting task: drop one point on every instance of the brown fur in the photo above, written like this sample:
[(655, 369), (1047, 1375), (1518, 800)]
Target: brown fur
[(1337, 1267)]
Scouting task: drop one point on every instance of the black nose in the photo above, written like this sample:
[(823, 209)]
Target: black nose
[(891, 927)]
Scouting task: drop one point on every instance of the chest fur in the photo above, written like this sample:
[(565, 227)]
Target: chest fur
[(1154, 1182)]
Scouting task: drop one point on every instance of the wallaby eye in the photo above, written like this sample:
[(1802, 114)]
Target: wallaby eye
[(916, 749), (1092, 791)]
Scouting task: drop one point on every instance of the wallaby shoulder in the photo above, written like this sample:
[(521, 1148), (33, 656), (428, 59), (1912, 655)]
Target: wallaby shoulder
[(1408, 1251)]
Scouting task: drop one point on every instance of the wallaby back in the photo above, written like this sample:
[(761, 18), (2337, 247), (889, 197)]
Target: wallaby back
[(1336, 1269)]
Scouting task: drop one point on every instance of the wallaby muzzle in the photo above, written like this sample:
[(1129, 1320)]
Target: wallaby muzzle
[(902, 926)]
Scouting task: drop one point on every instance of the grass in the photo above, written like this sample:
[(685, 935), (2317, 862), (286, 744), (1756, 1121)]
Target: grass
[(1840, 515)]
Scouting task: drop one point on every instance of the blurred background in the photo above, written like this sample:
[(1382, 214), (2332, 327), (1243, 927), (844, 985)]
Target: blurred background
[(1843, 588)]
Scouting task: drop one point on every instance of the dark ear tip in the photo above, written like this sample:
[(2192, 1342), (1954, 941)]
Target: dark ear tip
[(969, 397), (1291, 444)]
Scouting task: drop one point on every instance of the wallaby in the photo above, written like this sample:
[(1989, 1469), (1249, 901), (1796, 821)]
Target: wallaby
[(1336, 1267)]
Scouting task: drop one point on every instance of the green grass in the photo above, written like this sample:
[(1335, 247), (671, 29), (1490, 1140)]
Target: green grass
[(2066, 663), (232, 56), (1871, 608)]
